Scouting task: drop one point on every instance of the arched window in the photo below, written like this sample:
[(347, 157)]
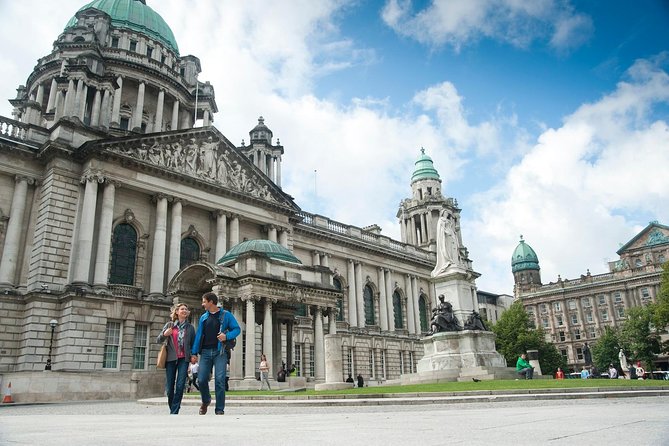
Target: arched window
[(123, 255), (422, 310), (190, 252), (397, 310), (368, 299), (340, 301)]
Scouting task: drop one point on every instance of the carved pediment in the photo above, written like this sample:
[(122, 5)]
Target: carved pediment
[(204, 156)]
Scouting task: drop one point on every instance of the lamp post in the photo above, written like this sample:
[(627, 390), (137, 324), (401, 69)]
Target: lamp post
[(53, 324)]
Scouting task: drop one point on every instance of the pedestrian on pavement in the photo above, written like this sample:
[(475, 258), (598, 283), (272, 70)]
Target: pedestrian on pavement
[(216, 326), (193, 369), (613, 372), (523, 367), (361, 381), (585, 374), (264, 372), (179, 336)]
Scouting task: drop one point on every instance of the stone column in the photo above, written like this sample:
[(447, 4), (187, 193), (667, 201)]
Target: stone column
[(319, 346), (86, 225), (237, 353), (289, 343), (175, 115), (267, 331), (40, 97), (101, 276), (332, 320), (234, 231), (389, 298), (104, 109), (15, 226), (359, 294), (174, 262), (206, 119), (278, 173), (70, 97), (51, 102), (250, 339), (95, 112), (352, 305), (116, 108), (221, 233), (411, 322), (414, 291), (271, 233), (283, 238), (325, 261), (139, 108), (59, 106), (80, 101), (383, 309), (315, 258), (159, 236), (158, 126), (410, 299), (403, 231), (272, 167)]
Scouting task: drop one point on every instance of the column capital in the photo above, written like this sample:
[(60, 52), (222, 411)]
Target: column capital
[(27, 179), (114, 183), (270, 300), (94, 176), (159, 196), (249, 298)]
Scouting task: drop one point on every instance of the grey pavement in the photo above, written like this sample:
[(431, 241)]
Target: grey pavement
[(633, 420)]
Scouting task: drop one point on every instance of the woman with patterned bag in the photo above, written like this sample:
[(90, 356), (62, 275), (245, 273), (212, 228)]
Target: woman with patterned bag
[(178, 335)]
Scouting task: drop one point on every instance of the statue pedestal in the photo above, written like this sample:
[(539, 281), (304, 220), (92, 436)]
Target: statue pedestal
[(458, 288), (460, 356)]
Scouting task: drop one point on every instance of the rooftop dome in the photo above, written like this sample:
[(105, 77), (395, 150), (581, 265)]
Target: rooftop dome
[(424, 168), (524, 257), (261, 132), (134, 15), (273, 250)]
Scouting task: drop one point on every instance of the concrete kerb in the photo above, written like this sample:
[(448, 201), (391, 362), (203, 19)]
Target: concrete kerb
[(396, 399)]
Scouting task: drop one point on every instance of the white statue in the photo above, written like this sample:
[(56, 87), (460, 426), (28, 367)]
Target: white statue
[(623, 361), (448, 246)]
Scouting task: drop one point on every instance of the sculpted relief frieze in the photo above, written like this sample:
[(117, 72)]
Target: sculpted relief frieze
[(206, 159)]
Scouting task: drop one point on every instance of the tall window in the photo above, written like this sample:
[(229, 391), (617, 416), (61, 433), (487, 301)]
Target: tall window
[(621, 312), (124, 255), (349, 360), (617, 297), (139, 348), (190, 252), (397, 310), (422, 310), (297, 359), (340, 301), (372, 365), (574, 319), (312, 361), (401, 353), (369, 305), (383, 364), (112, 344)]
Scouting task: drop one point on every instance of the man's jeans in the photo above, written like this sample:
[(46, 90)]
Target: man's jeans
[(175, 371), (528, 372), (209, 358)]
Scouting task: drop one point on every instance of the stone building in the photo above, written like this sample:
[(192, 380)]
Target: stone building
[(113, 206), (576, 311)]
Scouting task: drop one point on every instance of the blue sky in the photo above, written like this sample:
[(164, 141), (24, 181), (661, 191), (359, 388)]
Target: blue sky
[(545, 118)]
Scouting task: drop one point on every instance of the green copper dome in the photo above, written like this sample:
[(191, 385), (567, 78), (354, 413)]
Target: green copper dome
[(273, 250), (134, 15), (524, 257), (424, 168)]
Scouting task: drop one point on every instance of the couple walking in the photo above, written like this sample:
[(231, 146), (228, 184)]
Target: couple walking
[(216, 326)]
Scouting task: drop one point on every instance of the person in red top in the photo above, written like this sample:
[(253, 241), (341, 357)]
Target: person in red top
[(179, 336), (559, 374)]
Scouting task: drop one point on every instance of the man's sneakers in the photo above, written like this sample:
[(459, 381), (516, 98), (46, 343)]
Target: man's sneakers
[(203, 408)]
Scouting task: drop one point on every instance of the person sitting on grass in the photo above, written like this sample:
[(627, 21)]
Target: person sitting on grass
[(524, 368)]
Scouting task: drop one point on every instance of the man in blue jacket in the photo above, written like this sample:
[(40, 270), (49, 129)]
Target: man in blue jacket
[(216, 326)]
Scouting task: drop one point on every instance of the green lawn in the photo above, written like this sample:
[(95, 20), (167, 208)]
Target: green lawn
[(469, 386)]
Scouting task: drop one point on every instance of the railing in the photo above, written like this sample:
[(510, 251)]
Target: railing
[(126, 291), (12, 129), (320, 222)]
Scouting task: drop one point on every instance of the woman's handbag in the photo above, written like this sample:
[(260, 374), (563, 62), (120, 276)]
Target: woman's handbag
[(162, 357)]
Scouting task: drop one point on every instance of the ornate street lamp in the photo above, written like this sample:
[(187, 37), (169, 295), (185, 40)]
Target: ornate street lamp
[(53, 324)]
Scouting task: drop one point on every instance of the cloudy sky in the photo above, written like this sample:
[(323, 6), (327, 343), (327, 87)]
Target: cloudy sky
[(546, 118)]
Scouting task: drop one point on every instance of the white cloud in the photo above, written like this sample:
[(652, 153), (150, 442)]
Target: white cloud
[(457, 23), (579, 191)]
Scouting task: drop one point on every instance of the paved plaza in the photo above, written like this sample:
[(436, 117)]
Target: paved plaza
[(638, 421)]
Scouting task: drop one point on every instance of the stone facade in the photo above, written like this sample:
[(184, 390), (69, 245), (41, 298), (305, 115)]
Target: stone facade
[(576, 311), (113, 207)]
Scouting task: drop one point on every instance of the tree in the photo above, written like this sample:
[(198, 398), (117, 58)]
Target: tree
[(661, 306), (515, 335), (605, 351), (639, 336)]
